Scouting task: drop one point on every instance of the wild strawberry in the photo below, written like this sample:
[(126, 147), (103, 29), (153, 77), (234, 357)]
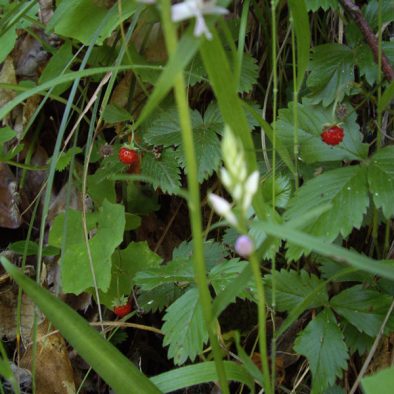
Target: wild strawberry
[(128, 156), (122, 307), (332, 135)]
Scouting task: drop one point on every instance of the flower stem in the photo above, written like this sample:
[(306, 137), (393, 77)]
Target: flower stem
[(193, 198)]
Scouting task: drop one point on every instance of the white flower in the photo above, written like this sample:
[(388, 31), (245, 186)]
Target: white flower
[(222, 208), (197, 9), (251, 185)]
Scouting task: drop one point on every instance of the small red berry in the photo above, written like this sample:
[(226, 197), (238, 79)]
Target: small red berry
[(128, 156), (122, 310), (332, 135)]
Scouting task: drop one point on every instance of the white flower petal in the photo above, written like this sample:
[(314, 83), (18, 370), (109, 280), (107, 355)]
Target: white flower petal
[(252, 183), (219, 204), (201, 28)]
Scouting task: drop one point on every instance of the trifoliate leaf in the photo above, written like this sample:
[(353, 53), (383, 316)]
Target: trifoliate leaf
[(311, 121), (108, 223), (345, 189), (381, 180), (184, 329), (159, 298), (293, 287), (321, 342), (164, 172), (126, 263), (332, 73), (364, 308)]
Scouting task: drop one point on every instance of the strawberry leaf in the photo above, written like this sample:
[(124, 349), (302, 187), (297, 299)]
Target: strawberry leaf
[(381, 180), (364, 308), (292, 287), (345, 189), (159, 298), (311, 120), (184, 329), (163, 172), (321, 342)]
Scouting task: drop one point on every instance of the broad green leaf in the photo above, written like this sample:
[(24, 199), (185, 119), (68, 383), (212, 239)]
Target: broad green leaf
[(122, 375), (159, 298), (8, 41), (201, 373), (345, 189), (6, 134), (371, 12), (184, 328), (321, 342), (311, 121), (56, 66), (114, 114), (80, 19), (332, 73), (380, 383), (76, 273), (126, 263), (101, 188), (173, 271), (381, 180), (303, 36), (164, 172), (364, 308), (356, 341), (292, 287)]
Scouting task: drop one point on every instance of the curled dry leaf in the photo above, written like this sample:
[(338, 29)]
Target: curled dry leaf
[(9, 199), (54, 373)]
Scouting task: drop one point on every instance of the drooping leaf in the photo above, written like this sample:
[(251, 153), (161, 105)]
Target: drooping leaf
[(364, 308), (332, 73), (292, 287), (79, 19), (381, 180), (164, 172), (311, 121), (345, 189), (76, 273), (321, 342), (126, 263), (184, 328)]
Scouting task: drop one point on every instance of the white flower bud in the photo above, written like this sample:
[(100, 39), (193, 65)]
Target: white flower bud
[(223, 208)]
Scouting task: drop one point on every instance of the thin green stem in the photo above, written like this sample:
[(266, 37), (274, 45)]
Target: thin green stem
[(193, 198)]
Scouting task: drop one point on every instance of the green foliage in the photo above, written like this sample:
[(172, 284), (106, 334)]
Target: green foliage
[(292, 287), (363, 308), (332, 73), (65, 158), (107, 226), (314, 5), (380, 383), (321, 342), (184, 329), (311, 121), (126, 263)]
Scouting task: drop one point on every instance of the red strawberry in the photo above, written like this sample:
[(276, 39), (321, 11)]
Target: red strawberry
[(332, 135), (122, 310), (128, 156)]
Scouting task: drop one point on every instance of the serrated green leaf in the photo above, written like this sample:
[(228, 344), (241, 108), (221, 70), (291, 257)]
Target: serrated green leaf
[(311, 121), (174, 271), (76, 274), (282, 190), (364, 308), (332, 73), (292, 287), (381, 180), (114, 114), (184, 328), (164, 172), (314, 5), (65, 158), (345, 189), (159, 298), (249, 73), (126, 263), (321, 342), (357, 341)]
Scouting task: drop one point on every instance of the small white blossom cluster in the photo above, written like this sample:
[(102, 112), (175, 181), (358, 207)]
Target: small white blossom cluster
[(194, 9), (236, 180)]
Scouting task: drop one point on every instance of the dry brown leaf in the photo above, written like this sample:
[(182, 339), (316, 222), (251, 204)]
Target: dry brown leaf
[(9, 199), (7, 75), (54, 373)]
